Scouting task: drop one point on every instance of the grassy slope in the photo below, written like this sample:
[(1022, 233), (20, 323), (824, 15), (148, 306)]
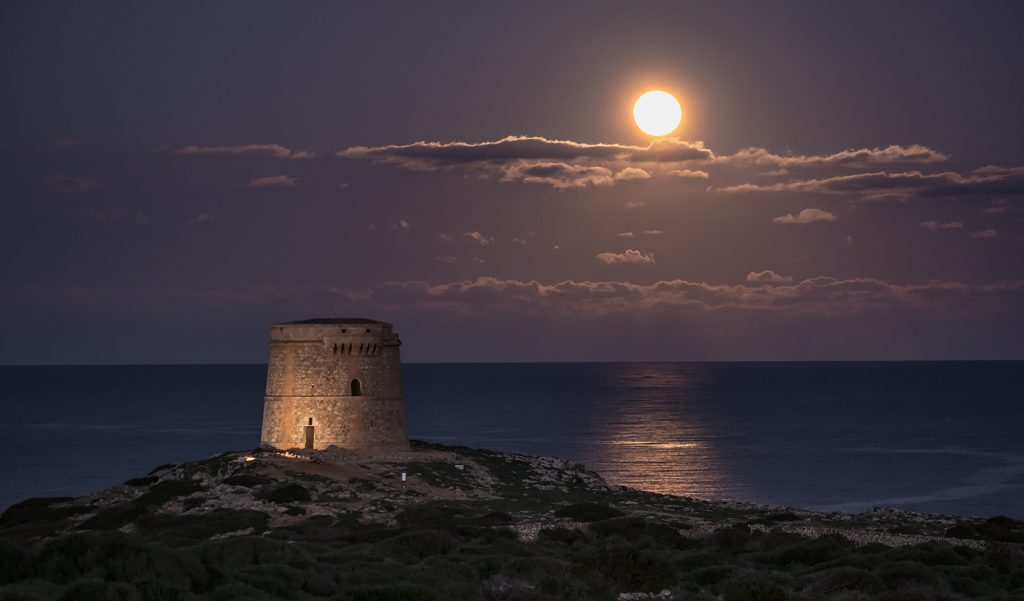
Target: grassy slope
[(501, 527)]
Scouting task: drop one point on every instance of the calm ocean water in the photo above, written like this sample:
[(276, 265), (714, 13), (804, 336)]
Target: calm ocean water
[(945, 437)]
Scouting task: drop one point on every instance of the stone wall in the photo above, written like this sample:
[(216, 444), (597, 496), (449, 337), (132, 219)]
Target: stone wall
[(309, 377)]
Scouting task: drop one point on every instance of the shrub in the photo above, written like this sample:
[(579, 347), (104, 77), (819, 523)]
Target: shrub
[(98, 590), (809, 552), (932, 554), (636, 528), (909, 575), (711, 575), (278, 579), (286, 493), (560, 535), (233, 554), (117, 557), (140, 482), (246, 480), (423, 543), (753, 588), (38, 510), (588, 512), (840, 579), (30, 590), (429, 515), (12, 562), (388, 592), (195, 527), (632, 569)]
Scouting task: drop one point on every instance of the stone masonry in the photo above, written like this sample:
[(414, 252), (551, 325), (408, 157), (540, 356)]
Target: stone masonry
[(334, 381)]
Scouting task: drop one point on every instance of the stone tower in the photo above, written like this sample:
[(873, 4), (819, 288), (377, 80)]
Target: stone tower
[(334, 381)]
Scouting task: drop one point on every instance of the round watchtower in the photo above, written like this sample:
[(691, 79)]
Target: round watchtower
[(334, 381)]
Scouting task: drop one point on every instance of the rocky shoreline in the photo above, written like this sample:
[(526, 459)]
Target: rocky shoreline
[(442, 522)]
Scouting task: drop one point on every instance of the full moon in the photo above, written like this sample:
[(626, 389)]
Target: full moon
[(657, 113)]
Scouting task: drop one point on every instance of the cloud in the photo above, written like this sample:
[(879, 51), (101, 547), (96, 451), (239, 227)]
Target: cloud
[(632, 173), (557, 175), (633, 204), (881, 185), (630, 256), (768, 277), (820, 295), (201, 219), (266, 150), (936, 226), (806, 216), (479, 238), (853, 157), (448, 260), (519, 241), (689, 173), (538, 160), (569, 164), (434, 155), (273, 181), (625, 235), (985, 234), (653, 232), (65, 183)]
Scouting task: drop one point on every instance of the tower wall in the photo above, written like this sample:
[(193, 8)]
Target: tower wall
[(309, 377)]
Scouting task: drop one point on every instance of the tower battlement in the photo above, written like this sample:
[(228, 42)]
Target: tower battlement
[(334, 381)]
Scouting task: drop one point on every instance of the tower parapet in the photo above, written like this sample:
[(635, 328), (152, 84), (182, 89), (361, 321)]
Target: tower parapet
[(334, 381)]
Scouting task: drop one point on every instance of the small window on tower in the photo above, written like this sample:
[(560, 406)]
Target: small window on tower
[(357, 388), (311, 421)]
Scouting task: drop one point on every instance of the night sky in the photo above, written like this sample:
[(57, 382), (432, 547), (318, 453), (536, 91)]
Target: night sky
[(847, 181)]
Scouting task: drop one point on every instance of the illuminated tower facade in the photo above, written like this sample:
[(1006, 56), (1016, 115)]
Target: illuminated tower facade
[(334, 381)]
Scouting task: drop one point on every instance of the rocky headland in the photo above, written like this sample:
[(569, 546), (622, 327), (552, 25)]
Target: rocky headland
[(442, 522)]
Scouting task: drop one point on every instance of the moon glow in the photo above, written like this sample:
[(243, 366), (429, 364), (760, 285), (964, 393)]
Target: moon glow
[(657, 113)]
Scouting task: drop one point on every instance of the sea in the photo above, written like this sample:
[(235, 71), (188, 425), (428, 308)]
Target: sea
[(943, 437)]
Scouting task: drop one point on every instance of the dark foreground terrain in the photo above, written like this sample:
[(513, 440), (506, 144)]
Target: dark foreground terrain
[(474, 524)]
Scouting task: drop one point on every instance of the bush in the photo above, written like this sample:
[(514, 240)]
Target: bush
[(423, 543), (560, 535), (98, 590), (635, 529), (906, 575), (30, 590), (429, 515), (588, 512), (632, 569), (141, 482), (279, 580), (839, 579), (753, 588), (233, 554), (285, 494), (809, 552), (711, 575), (196, 527), (39, 510), (388, 592), (116, 557), (246, 480), (12, 562)]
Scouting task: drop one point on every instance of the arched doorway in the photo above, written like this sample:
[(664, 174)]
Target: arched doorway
[(357, 388)]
